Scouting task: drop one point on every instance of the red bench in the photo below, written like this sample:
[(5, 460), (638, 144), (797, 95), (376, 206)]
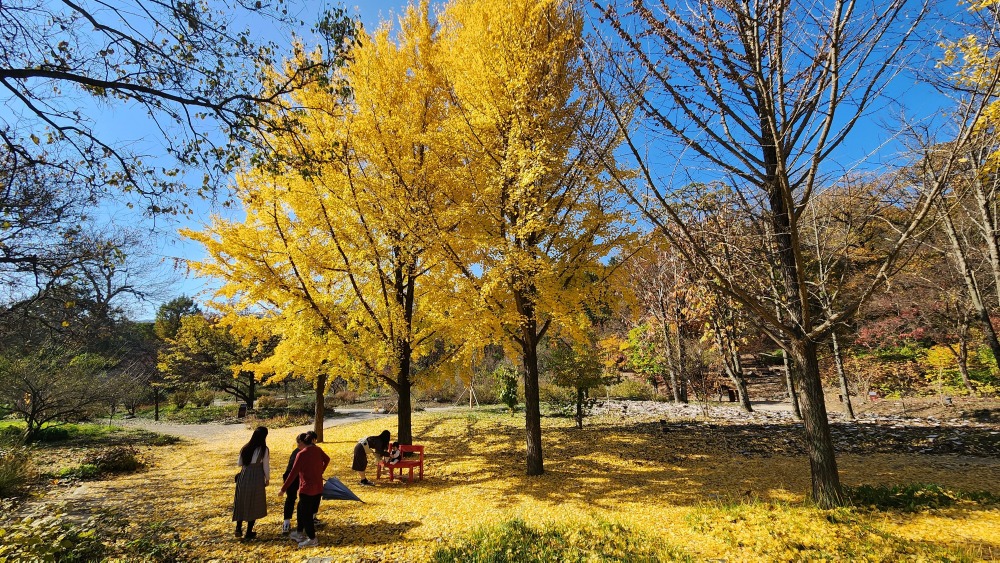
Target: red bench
[(406, 463)]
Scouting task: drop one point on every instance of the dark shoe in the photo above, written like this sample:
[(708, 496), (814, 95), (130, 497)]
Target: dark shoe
[(239, 531), (250, 536), (367, 483)]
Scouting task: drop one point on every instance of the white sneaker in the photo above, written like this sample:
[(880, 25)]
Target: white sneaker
[(297, 536), (309, 542), (286, 527)]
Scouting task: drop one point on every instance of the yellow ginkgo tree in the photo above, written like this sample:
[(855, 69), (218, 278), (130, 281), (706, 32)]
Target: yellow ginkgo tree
[(539, 220), (337, 255)]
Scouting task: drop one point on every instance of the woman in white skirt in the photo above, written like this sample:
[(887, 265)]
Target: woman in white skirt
[(250, 503)]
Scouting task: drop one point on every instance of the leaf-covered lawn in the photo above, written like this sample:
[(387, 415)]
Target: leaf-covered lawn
[(683, 497)]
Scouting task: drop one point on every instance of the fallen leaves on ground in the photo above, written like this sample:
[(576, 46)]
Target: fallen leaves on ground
[(730, 491)]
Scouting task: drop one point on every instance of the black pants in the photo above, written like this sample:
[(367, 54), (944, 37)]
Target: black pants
[(290, 497), (308, 506)]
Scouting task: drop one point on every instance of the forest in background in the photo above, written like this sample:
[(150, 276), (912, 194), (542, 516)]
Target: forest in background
[(517, 192)]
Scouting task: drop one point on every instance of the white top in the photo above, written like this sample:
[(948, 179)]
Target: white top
[(265, 461)]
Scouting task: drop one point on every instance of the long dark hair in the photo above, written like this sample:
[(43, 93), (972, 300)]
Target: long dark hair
[(257, 440)]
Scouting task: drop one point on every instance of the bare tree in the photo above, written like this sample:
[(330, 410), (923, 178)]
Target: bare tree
[(198, 70), (659, 281), (762, 95), (52, 385), (967, 216), (844, 232)]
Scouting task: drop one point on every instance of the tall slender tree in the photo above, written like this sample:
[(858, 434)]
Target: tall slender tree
[(761, 95), (541, 218), (338, 245)]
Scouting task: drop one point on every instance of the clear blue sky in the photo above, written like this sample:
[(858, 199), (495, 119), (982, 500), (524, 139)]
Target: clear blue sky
[(171, 249)]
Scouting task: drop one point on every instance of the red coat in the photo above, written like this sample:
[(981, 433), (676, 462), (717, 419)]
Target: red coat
[(308, 469)]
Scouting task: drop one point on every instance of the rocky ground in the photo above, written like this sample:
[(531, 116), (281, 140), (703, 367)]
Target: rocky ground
[(773, 430)]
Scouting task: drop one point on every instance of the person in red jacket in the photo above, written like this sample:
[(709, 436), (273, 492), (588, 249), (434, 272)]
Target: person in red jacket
[(308, 468)]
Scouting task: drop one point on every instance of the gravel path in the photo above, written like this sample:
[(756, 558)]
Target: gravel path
[(214, 431)]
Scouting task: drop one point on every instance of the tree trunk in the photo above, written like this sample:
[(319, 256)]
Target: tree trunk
[(731, 363), (320, 409), (963, 353), (739, 379), (680, 382), (669, 354), (405, 286), (529, 352), (252, 392), (826, 488), (986, 202), (971, 286), (404, 410), (741, 387), (790, 384), (579, 408), (532, 409), (30, 431), (845, 390)]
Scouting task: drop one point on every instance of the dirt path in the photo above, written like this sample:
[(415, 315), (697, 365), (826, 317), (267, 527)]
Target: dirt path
[(197, 457), (218, 432)]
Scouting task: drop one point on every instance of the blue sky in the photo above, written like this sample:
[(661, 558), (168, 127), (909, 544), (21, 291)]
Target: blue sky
[(168, 247)]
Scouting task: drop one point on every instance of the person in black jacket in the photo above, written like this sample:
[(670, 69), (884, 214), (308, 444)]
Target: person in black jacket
[(378, 445), (292, 493)]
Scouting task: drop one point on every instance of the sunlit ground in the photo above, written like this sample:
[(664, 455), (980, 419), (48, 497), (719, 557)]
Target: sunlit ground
[(684, 497)]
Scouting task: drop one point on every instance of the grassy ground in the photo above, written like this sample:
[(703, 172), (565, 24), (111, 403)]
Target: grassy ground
[(672, 496)]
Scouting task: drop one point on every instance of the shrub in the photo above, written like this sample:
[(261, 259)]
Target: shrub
[(304, 406), (49, 538), (52, 434), (912, 498), (15, 469), (516, 541), (56, 537), (202, 397), (83, 471), (549, 392), (11, 434), (632, 390), (180, 398), (345, 397), (199, 416), (116, 459), (283, 419), (506, 378), (266, 402)]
